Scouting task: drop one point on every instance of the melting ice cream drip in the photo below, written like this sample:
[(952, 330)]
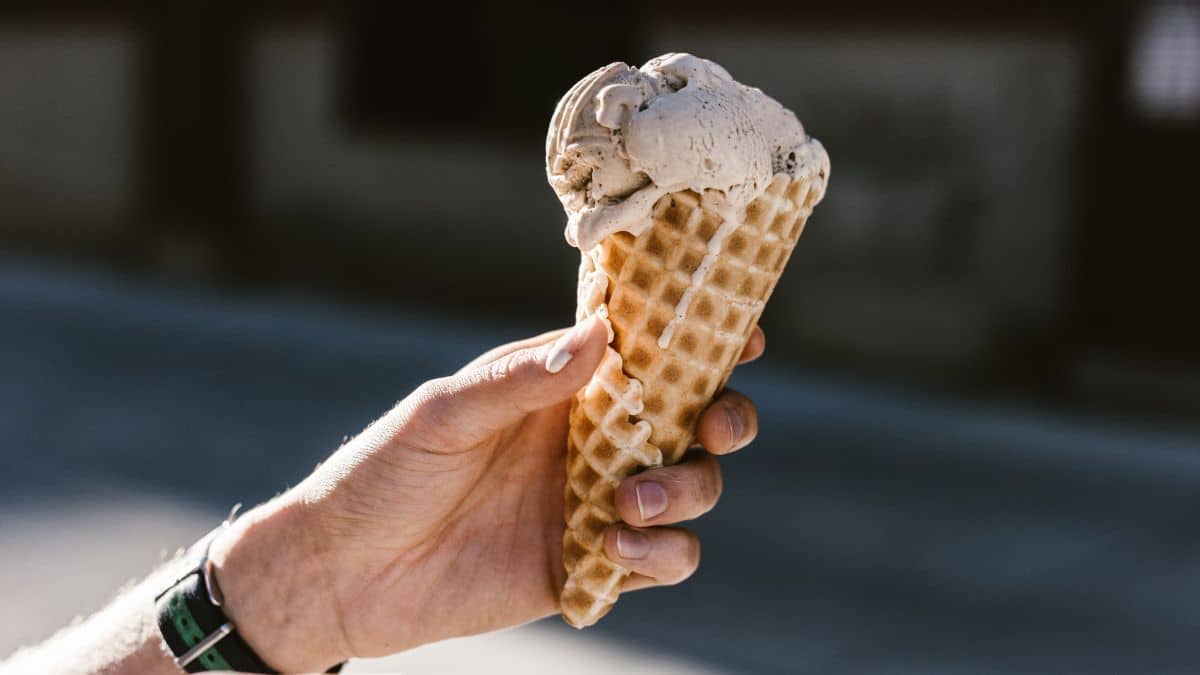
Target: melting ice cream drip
[(730, 220), (629, 435)]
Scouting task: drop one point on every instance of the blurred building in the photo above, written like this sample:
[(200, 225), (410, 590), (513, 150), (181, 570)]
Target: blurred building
[(1011, 201)]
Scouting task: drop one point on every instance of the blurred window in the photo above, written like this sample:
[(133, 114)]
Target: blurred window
[(498, 71), (1166, 61), (66, 134)]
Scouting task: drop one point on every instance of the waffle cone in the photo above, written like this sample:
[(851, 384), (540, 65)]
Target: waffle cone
[(641, 407)]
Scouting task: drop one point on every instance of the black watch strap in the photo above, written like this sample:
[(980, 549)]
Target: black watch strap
[(195, 627), (187, 618)]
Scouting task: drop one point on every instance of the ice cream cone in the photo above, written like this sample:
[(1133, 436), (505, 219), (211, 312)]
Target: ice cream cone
[(682, 298)]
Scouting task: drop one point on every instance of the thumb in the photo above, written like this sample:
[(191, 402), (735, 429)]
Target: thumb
[(466, 408)]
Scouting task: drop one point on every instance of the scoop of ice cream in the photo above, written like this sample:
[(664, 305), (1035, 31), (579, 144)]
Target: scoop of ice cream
[(623, 137)]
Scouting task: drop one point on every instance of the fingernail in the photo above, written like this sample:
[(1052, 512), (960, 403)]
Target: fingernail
[(651, 498), (736, 427), (564, 348), (631, 544)]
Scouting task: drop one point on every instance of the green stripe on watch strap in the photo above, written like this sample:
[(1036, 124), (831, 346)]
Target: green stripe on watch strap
[(185, 625)]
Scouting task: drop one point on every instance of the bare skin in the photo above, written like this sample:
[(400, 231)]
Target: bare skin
[(442, 519)]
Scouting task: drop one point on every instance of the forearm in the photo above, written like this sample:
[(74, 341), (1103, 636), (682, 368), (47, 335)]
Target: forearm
[(273, 578), (121, 638)]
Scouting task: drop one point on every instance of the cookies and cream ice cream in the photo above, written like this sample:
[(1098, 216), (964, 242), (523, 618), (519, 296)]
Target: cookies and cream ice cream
[(623, 137)]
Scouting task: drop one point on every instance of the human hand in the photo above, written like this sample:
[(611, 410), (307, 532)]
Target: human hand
[(444, 517)]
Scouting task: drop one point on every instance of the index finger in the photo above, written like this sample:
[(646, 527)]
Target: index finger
[(754, 346), (729, 424)]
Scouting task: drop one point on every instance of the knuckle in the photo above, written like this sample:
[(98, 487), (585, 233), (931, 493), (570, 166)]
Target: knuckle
[(716, 481), (714, 428), (429, 401), (510, 373), (501, 371), (694, 487), (707, 483), (427, 411)]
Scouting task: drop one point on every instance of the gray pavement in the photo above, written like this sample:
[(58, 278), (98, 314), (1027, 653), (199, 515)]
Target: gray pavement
[(870, 530)]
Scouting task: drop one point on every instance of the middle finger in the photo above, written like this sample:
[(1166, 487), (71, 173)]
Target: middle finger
[(670, 494)]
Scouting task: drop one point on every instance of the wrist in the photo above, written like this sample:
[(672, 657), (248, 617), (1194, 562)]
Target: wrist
[(272, 572)]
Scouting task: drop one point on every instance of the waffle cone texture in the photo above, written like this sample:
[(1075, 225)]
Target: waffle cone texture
[(641, 407)]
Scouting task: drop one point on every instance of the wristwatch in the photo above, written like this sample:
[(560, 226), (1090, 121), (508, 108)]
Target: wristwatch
[(193, 623)]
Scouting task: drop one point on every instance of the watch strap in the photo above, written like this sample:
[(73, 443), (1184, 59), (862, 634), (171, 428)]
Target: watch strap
[(194, 626), (187, 616)]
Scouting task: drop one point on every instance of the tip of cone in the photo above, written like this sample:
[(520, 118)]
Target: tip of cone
[(573, 624)]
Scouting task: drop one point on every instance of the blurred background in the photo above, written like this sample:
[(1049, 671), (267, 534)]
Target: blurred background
[(231, 234)]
